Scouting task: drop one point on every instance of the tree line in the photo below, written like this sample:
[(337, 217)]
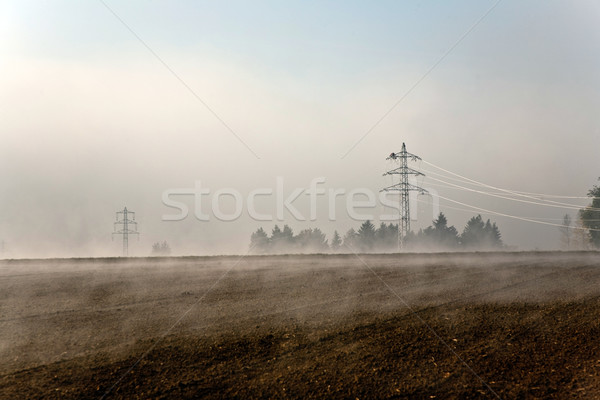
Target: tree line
[(476, 235), (583, 233)]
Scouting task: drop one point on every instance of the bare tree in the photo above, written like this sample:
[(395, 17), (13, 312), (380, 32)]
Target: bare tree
[(590, 216), (580, 239), (566, 232)]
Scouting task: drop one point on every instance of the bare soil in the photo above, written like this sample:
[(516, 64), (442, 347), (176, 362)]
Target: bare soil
[(482, 325)]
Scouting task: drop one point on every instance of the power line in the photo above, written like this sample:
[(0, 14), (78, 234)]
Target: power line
[(128, 227), (512, 216), (404, 187), (539, 196), (513, 192), (570, 206), (519, 216)]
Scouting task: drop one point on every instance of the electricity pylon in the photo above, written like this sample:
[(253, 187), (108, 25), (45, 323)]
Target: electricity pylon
[(125, 228), (404, 187)]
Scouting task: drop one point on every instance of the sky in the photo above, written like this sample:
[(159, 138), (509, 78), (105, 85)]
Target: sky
[(106, 105)]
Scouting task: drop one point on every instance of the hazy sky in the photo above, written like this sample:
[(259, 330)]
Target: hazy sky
[(92, 121)]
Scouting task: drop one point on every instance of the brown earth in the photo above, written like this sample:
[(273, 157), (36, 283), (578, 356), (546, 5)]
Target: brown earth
[(508, 325)]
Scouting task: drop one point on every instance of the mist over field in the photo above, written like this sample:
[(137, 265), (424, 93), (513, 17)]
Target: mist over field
[(301, 326), (299, 199)]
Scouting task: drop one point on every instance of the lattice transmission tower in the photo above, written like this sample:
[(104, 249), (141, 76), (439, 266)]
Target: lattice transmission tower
[(404, 187), (125, 226)]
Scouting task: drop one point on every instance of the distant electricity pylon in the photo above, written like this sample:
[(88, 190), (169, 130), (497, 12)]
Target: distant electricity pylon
[(404, 187), (128, 227)]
